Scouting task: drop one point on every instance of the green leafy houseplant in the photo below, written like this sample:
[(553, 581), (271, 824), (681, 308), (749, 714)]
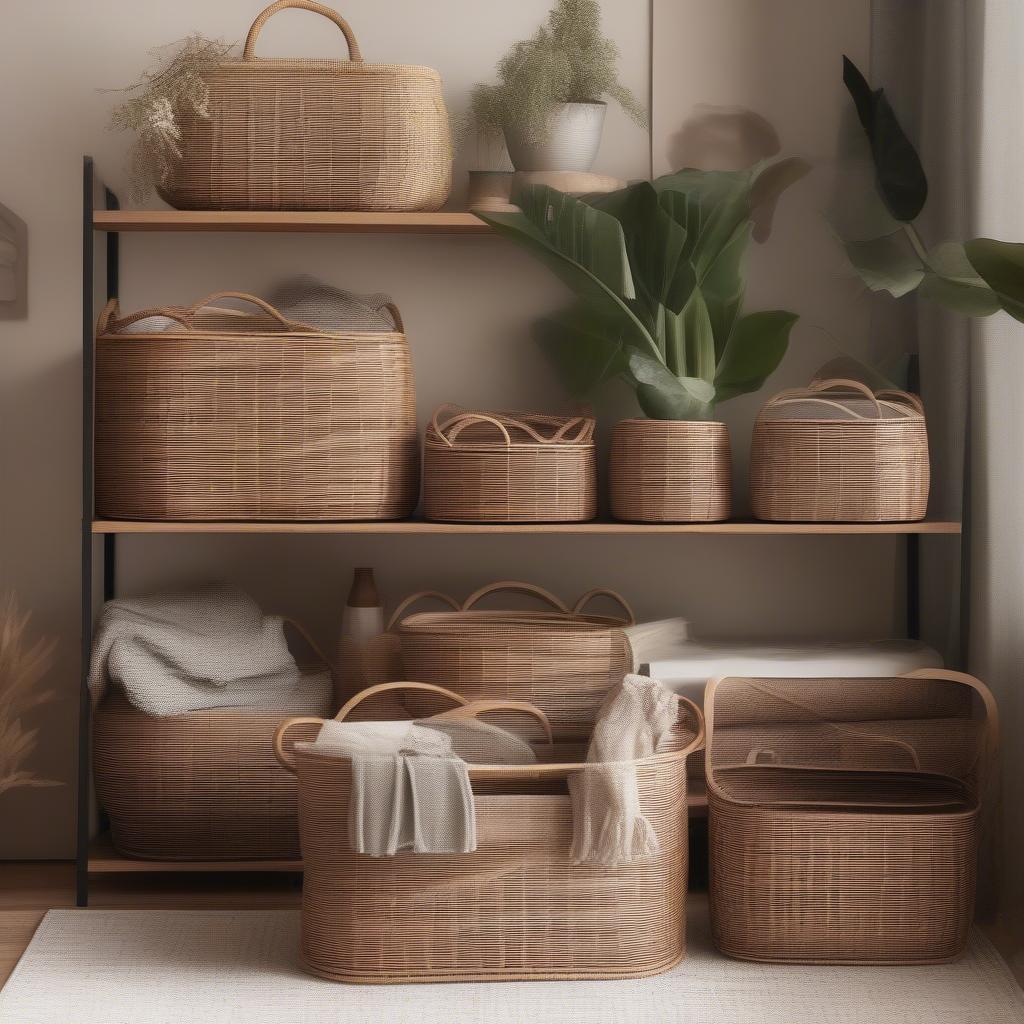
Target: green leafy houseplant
[(658, 272), (976, 278), (567, 60)]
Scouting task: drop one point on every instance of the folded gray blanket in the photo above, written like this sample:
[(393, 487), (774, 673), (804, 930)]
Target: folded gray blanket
[(208, 648)]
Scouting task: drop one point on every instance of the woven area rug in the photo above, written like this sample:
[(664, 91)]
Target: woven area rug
[(213, 967)]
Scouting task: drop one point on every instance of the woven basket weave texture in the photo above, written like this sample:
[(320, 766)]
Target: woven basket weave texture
[(314, 134)]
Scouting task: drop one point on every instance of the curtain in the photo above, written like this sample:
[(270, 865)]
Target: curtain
[(953, 70)]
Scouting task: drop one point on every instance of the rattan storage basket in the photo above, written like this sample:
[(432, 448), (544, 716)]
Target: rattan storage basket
[(252, 417), (509, 468), (202, 786), (513, 909), (562, 661), (844, 815), (837, 452), (314, 134), (670, 471)]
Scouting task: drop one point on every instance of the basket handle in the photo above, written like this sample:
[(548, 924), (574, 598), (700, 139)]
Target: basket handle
[(450, 429), (590, 595), (420, 595), (267, 308), (482, 707), (395, 315), (307, 639), (515, 587), (372, 691), (822, 387), (249, 53), (283, 758)]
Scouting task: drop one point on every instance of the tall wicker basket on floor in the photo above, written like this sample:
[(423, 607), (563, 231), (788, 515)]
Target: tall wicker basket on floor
[(252, 417), (200, 786), (314, 134), (844, 815), (562, 661), (513, 909), (838, 452), (509, 468)]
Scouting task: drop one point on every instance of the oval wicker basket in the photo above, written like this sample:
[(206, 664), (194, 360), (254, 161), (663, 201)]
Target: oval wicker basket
[(509, 468), (515, 908), (838, 452), (845, 814), (239, 417), (314, 134), (670, 471), (562, 661), (199, 786)]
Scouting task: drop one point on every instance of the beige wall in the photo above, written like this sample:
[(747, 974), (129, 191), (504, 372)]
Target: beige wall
[(468, 303)]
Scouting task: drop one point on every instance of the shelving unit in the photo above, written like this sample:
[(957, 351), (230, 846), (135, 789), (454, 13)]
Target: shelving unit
[(103, 222)]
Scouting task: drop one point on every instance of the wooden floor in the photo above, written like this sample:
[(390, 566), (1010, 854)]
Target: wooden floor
[(27, 891)]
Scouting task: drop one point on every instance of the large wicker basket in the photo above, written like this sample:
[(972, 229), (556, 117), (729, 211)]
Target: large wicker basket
[(562, 661), (509, 468), (252, 417), (837, 452), (513, 909), (844, 815), (314, 134)]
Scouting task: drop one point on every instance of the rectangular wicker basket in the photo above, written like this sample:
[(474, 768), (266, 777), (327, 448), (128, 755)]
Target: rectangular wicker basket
[(314, 134), (515, 908), (563, 661), (844, 815), (239, 417)]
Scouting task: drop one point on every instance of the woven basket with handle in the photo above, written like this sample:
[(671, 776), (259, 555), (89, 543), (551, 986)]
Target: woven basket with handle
[(201, 786), (563, 661), (515, 908), (314, 134), (838, 452), (247, 417), (845, 815), (509, 468)]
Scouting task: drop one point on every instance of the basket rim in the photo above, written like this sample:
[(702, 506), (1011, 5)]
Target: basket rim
[(485, 618), (916, 421), (499, 447), (274, 64), (247, 337)]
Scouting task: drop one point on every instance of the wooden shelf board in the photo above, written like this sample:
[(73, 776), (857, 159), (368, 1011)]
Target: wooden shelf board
[(443, 223), (417, 526), (104, 859)]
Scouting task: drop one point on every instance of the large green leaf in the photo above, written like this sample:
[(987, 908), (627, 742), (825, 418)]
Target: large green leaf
[(664, 396), (585, 247), (887, 264), (1001, 267), (951, 281), (655, 244), (585, 346), (900, 177), (753, 353), (723, 287), (698, 336)]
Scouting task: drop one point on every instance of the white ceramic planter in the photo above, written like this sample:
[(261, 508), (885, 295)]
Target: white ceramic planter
[(572, 145)]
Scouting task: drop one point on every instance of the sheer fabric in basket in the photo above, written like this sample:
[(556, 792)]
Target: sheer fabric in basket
[(516, 908), (844, 815)]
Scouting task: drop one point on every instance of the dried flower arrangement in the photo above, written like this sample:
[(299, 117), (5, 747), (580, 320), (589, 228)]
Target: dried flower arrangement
[(158, 98), (23, 663)]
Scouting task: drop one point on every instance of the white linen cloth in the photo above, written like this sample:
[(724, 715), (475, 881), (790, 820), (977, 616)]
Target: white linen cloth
[(208, 648), (609, 827)]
